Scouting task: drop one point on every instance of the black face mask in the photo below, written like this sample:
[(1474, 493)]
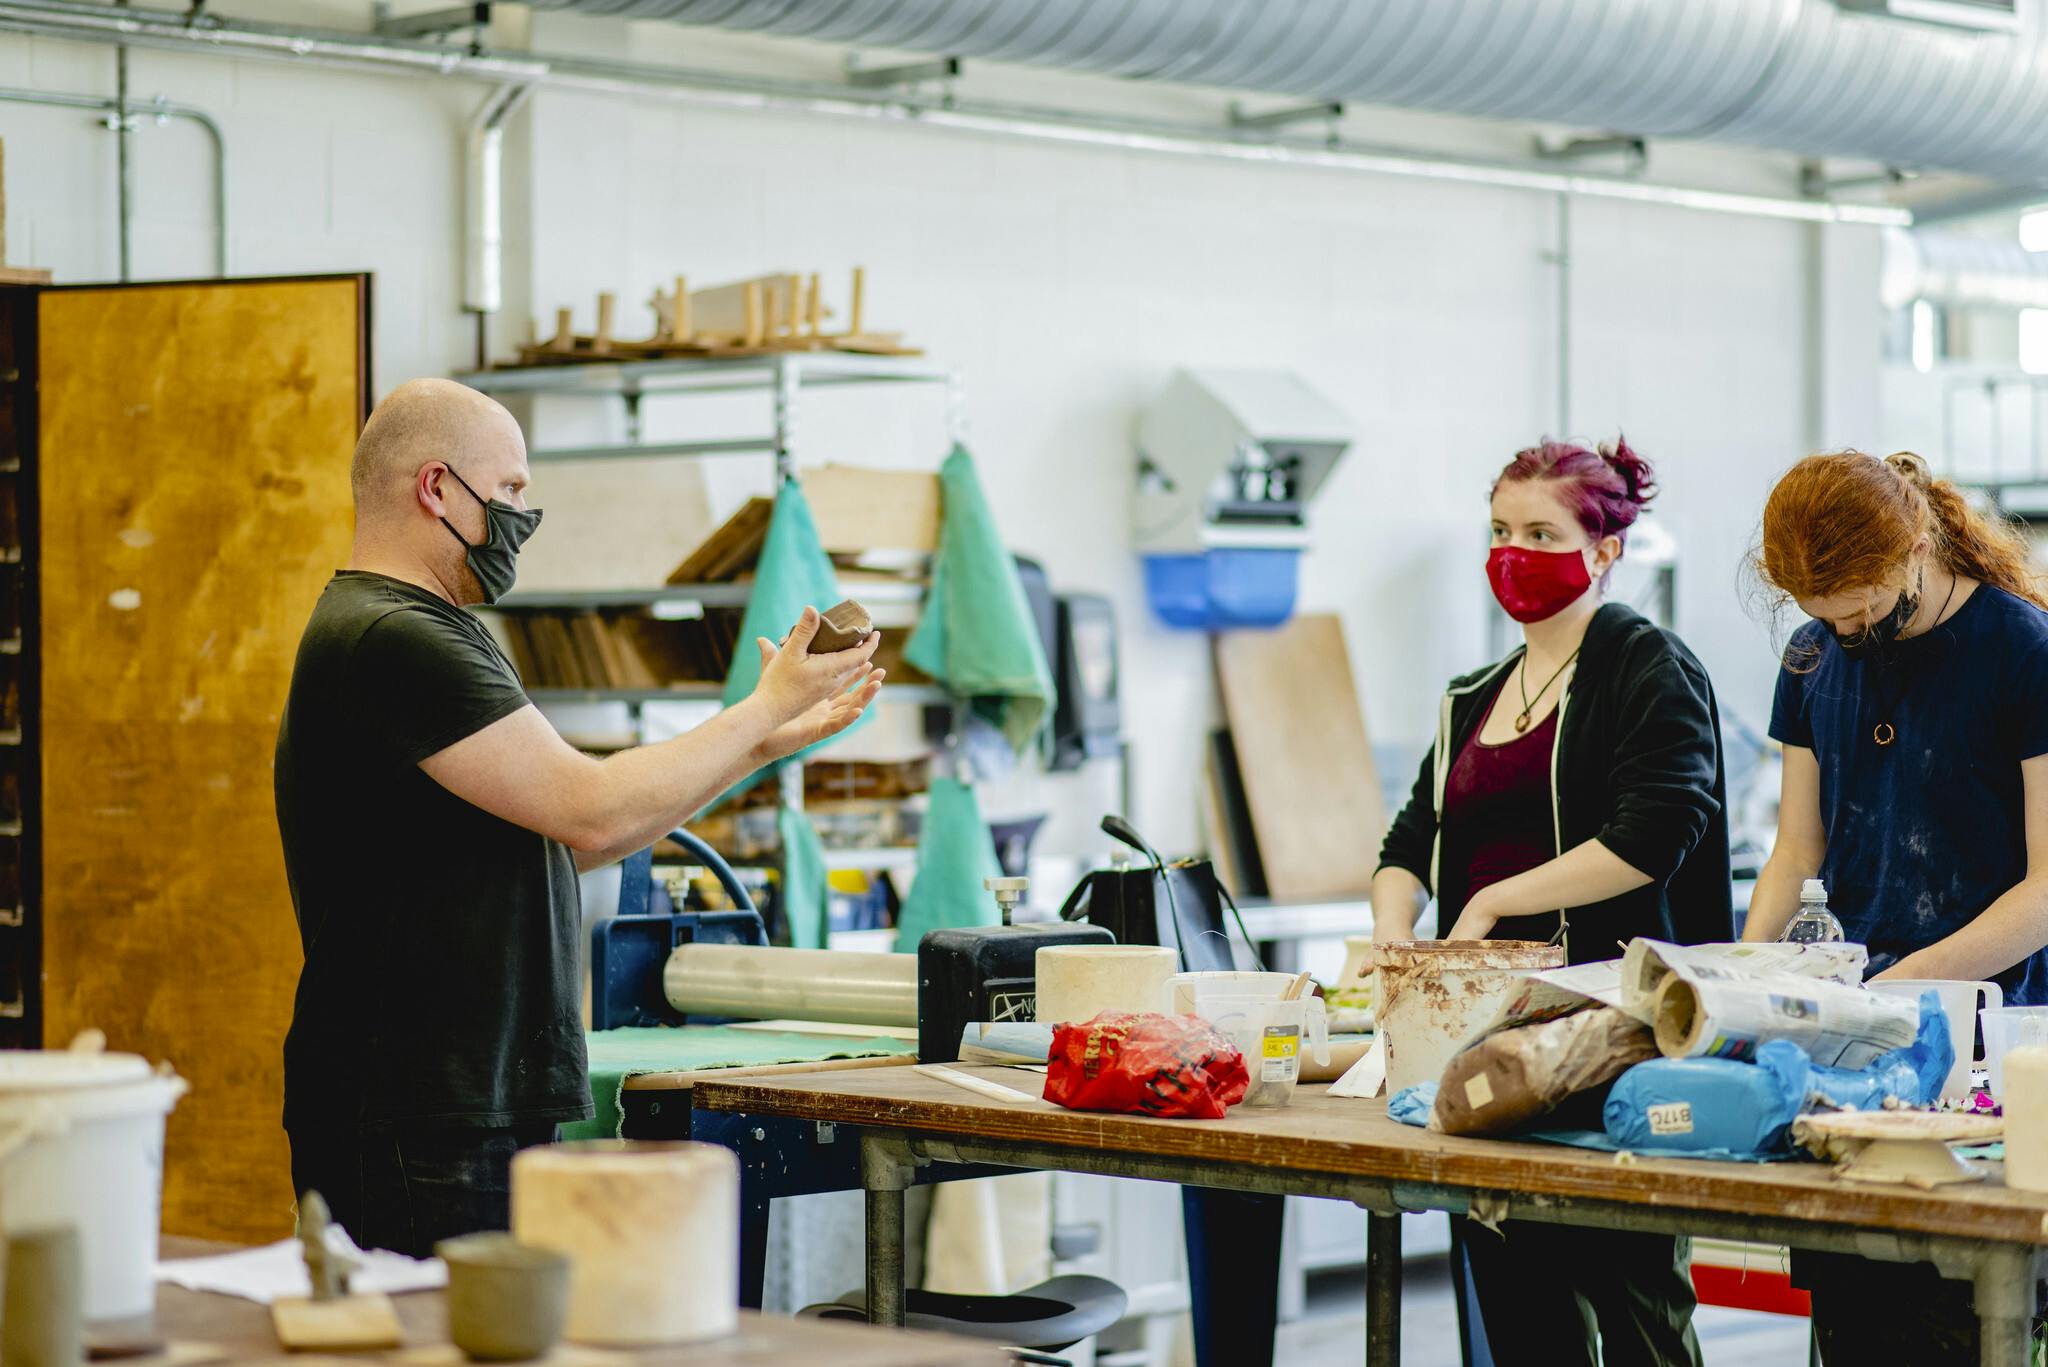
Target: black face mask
[(1875, 639), (494, 563)]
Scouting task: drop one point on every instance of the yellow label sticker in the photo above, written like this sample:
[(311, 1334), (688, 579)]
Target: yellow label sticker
[(1282, 1042)]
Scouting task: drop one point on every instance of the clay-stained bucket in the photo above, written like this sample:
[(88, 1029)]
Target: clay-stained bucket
[(1433, 996)]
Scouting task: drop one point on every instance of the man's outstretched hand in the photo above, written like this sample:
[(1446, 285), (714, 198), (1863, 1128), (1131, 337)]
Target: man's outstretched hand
[(813, 697)]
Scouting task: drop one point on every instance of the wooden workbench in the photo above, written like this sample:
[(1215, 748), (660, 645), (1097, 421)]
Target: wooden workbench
[(241, 1330), (1348, 1149)]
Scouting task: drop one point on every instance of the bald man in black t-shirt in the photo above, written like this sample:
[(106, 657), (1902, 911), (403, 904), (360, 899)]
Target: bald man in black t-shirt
[(433, 825)]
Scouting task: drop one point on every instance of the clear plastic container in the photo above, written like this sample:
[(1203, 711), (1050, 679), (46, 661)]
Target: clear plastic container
[(2007, 1028), (1271, 1035)]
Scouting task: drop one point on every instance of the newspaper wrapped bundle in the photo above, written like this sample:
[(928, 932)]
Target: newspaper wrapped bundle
[(1722, 1001), (1726, 999)]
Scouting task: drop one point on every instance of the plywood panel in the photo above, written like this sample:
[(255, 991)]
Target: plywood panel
[(1302, 752), (194, 448)]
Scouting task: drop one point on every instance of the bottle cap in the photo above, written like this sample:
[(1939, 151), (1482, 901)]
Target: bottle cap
[(1813, 890)]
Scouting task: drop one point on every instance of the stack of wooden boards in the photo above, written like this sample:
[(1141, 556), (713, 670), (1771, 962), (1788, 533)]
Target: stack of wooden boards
[(765, 316), (559, 649), (865, 518), (1292, 804)]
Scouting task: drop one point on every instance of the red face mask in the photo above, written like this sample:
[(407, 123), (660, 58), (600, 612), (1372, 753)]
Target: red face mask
[(1533, 585)]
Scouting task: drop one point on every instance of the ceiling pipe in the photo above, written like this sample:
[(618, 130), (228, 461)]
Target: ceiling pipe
[(161, 110), (483, 276), (720, 91)]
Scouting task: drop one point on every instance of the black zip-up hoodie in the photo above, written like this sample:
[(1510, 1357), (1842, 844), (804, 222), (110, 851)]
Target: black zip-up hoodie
[(1637, 765)]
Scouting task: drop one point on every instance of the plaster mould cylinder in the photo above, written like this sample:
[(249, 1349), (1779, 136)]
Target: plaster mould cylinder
[(1080, 982), (2026, 1118), (652, 1233)]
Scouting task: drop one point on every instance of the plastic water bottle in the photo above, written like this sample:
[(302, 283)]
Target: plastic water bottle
[(1814, 924)]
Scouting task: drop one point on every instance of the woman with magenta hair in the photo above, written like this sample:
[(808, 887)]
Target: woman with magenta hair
[(1913, 708), (1574, 794)]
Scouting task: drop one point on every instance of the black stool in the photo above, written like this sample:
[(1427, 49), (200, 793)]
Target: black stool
[(1051, 1315)]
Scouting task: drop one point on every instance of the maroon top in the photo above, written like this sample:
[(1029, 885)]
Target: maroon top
[(1499, 797)]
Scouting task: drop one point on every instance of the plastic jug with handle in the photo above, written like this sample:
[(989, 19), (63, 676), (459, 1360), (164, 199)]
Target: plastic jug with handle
[(1959, 1002)]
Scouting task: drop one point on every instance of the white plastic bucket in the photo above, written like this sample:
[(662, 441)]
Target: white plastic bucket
[(2007, 1028), (82, 1144), (1186, 993), (1959, 1002), (1434, 995)]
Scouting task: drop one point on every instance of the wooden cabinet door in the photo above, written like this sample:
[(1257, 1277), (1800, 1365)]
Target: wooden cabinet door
[(193, 444)]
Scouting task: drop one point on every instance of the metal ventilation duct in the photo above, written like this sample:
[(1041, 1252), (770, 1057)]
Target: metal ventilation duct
[(1968, 272), (1796, 75)]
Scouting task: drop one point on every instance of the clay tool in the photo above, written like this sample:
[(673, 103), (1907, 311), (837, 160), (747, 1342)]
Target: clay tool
[(972, 1083), (332, 1320)]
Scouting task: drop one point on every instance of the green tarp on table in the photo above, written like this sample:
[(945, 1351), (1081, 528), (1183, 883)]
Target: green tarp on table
[(616, 1055)]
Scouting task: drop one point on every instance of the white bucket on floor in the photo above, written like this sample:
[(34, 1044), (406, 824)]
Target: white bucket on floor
[(1434, 995), (82, 1144)]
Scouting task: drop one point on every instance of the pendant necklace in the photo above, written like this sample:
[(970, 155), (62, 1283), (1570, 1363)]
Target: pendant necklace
[(1529, 703), (1884, 733)]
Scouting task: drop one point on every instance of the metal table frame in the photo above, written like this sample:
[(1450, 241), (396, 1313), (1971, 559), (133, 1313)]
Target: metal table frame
[(2003, 1274)]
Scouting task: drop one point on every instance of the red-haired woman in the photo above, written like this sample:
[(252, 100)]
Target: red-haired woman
[(1913, 710), (1575, 794)]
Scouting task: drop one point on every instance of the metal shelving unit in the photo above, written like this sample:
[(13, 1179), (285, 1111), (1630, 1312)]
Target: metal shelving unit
[(702, 595), (785, 378)]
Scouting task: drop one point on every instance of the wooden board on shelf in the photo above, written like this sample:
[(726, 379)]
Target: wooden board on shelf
[(733, 548), (1303, 756), (168, 923), (860, 509)]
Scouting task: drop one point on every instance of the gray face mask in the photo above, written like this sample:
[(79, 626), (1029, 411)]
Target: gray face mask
[(495, 561)]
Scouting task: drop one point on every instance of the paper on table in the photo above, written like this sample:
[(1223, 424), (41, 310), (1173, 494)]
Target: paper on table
[(1365, 1078), (278, 1270)]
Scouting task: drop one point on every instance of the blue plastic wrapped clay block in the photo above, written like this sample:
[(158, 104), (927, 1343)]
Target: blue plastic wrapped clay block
[(1733, 1108), (1690, 1104)]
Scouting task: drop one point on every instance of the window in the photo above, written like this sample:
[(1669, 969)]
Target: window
[(2034, 230), (1924, 322), (2034, 341)]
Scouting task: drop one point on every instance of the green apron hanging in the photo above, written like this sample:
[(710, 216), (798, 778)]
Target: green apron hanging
[(794, 573), (977, 637), (954, 855)]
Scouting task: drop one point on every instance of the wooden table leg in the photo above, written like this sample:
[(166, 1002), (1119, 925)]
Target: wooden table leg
[(1383, 1291)]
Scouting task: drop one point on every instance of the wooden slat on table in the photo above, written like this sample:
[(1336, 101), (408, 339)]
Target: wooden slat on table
[(1329, 1135)]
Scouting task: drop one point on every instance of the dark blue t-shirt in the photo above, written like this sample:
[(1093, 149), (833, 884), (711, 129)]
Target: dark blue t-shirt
[(1924, 833)]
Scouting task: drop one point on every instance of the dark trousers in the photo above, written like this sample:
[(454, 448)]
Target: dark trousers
[(1900, 1314), (1233, 1242), (1545, 1291), (405, 1188)]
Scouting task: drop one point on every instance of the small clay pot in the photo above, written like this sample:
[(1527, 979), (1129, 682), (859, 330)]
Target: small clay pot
[(506, 1300), (42, 1313)]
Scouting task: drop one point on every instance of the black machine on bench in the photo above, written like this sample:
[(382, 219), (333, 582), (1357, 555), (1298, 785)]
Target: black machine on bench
[(652, 965)]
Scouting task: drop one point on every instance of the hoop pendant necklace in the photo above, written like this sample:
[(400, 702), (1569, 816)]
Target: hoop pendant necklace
[(1529, 703), (1884, 733)]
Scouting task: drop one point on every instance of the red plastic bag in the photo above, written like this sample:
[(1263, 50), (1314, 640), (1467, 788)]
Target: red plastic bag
[(1176, 1067)]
